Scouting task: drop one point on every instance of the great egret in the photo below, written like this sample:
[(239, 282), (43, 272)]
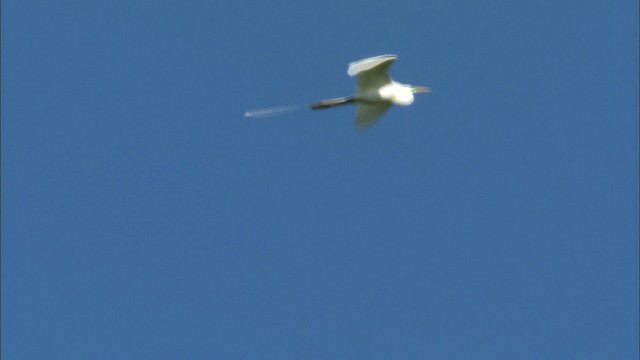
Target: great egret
[(375, 90)]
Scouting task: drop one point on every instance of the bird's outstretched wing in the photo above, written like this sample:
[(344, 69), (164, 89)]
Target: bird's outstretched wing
[(372, 73), (368, 113)]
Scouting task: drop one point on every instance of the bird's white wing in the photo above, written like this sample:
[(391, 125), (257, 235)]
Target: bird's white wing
[(368, 113), (372, 73), (369, 63)]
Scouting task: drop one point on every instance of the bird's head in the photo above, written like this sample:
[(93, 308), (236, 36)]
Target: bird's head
[(420, 89)]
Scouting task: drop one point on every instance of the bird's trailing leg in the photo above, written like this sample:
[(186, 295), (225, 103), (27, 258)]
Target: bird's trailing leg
[(325, 104)]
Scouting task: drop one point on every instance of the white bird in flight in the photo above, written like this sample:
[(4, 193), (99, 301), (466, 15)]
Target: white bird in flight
[(375, 90)]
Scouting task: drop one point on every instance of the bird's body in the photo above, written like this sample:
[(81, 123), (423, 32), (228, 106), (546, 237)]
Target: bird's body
[(375, 90), (397, 93)]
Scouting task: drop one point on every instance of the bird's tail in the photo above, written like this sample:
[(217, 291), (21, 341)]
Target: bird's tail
[(325, 104)]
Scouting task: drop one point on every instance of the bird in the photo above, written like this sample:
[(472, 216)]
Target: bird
[(375, 90)]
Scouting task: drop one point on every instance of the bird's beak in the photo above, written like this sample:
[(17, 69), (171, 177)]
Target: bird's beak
[(421, 89)]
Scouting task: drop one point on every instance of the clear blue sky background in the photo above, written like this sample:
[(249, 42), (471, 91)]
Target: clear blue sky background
[(143, 217)]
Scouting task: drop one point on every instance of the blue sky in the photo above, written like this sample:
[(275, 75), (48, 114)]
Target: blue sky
[(144, 217)]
